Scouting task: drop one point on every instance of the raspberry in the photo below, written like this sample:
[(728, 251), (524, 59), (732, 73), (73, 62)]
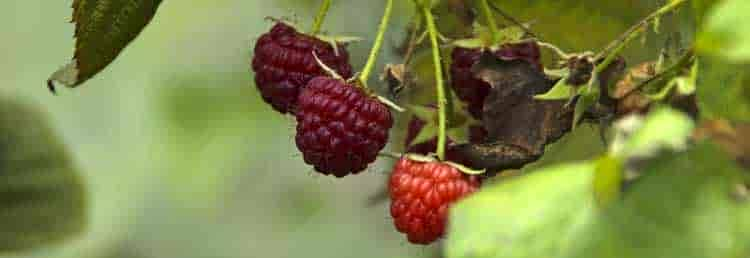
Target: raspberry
[(421, 194), (283, 63), (473, 90), (340, 128)]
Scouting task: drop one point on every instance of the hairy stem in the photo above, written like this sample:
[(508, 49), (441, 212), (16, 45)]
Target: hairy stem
[(441, 98), (322, 12), (378, 43), (615, 47)]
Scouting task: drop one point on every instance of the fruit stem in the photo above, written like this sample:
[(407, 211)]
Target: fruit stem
[(615, 47), (441, 99), (491, 22), (322, 12), (378, 43)]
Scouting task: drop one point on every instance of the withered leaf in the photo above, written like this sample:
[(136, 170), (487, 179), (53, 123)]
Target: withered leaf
[(518, 126)]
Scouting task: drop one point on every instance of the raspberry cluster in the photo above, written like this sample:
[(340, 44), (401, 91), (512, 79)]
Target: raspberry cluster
[(342, 126)]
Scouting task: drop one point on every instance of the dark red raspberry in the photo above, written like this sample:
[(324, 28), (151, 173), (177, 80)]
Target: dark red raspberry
[(473, 90), (340, 128), (283, 63), (421, 194)]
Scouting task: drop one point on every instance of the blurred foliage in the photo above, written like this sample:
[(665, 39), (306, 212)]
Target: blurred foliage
[(552, 212), (42, 197), (184, 159), (726, 32), (723, 90)]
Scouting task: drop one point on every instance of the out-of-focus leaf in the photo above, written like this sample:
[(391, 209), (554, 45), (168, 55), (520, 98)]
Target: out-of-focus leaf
[(701, 7), (608, 180), (663, 129), (726, 31), (681, 207), (103, 28), (722, 90), (41, 195), (730, 137), (529, 216)]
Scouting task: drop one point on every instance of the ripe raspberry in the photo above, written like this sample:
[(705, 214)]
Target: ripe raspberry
[(473, 90), (340, 128), (421, 194), (283, 63)]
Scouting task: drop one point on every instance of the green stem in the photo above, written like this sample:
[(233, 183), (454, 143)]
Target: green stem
[(322, 12), (614, 48), (441, 99), (378, 43), (491, 22)]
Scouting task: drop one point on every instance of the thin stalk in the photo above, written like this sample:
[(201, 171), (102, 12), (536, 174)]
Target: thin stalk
[(491, 22), (378, 43), (322, 12), (439, 84)]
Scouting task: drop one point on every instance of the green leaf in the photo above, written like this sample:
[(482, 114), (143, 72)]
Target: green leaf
[(608, 179), (663, 129), (528, 216), (724, 91), (701, 7), (426, 134), (561, 91), (685, 85), (726, 31), (42, 198), (589, 95), (103, 28), (681, 207)]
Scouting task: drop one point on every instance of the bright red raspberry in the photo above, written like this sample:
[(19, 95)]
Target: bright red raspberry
[(421, 195), (473, 90), (340, 127), (283, 63)]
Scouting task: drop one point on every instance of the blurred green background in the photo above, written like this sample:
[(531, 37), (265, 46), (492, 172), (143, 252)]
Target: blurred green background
[(180, 156)]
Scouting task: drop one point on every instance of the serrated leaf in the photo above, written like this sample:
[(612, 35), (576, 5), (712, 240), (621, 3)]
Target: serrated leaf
[(726, 31), (42, 197), (680, 208), (103, 28)]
